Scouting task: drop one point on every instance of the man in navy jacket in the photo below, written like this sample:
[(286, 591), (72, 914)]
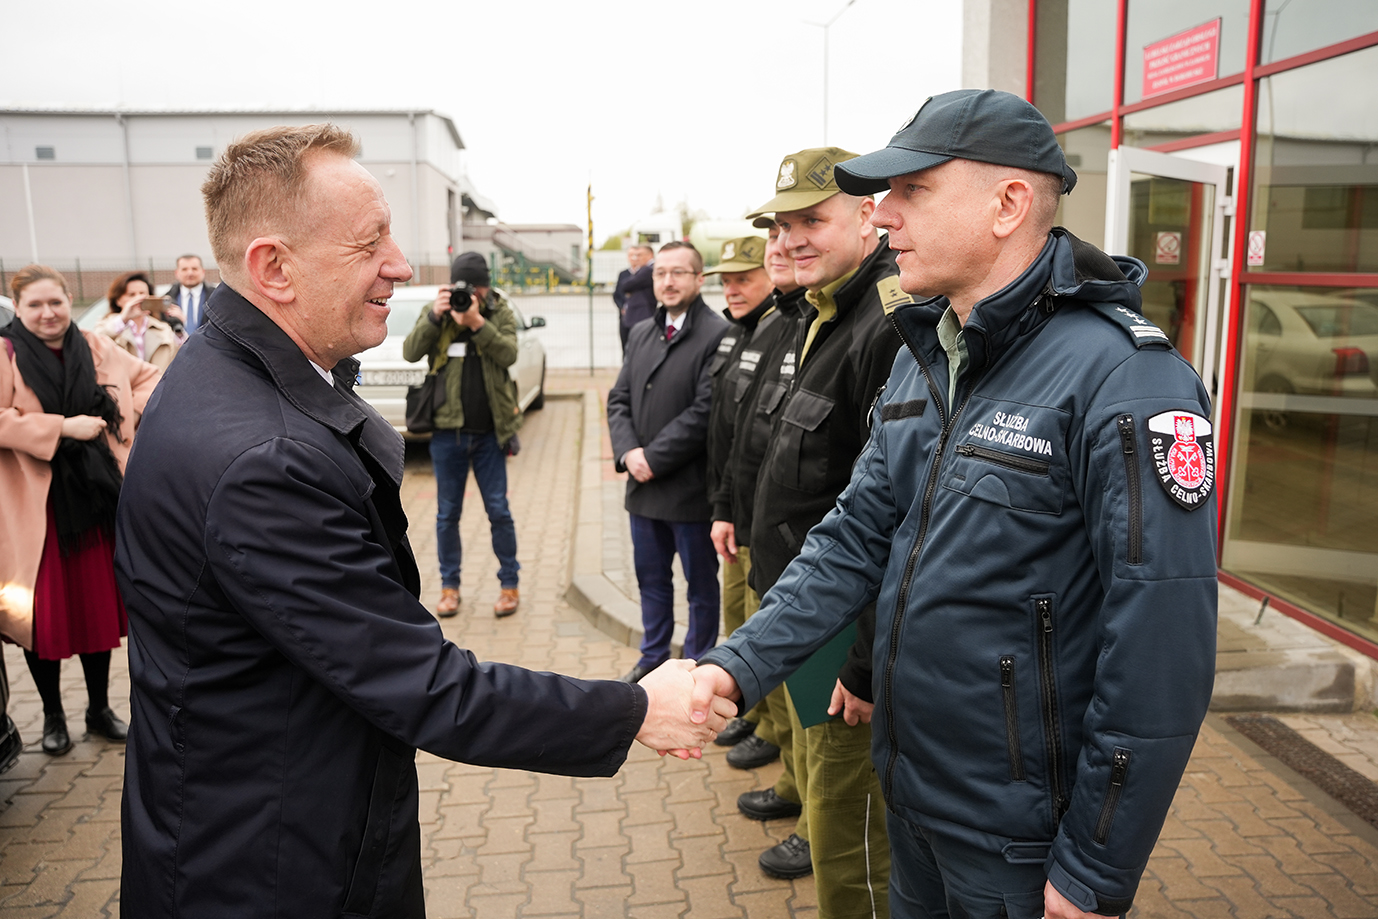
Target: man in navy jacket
[(1034, 518), (283, 671), (635, 292)]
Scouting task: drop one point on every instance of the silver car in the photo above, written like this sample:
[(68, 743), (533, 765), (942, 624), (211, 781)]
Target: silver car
[(384, 376)]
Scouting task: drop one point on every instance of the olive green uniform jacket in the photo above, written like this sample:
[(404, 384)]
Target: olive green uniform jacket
[(496, 344)]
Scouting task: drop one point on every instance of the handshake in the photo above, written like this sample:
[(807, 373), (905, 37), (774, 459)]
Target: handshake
[(686, 707)]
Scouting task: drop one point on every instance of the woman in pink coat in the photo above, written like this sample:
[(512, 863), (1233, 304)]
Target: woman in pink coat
[(69, 403)]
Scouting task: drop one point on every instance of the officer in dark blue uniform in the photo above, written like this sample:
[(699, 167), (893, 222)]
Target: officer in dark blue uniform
[(1034, 518)]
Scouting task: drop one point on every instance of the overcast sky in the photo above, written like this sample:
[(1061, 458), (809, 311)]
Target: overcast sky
[(693, 100)]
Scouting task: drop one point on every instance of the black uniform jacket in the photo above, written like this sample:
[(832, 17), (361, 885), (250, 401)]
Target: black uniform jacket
[(767, 366), (660, 403), (824, 423), (822, 428), (732, 377), (283, 671)]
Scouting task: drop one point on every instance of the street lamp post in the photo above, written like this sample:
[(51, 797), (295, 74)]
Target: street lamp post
[(826, 26)]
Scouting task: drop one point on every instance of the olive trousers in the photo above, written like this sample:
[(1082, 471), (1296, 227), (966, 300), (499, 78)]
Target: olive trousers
[(739, 603), (844, 818)]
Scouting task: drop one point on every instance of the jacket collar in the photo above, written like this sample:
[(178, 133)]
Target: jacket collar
[(862, 282), (750, 320), (292, 374), (793, 303), (691, 312), (1066, 270)]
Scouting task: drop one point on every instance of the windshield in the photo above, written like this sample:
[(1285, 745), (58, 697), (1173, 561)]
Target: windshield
[(1341, 319), (405, 311)]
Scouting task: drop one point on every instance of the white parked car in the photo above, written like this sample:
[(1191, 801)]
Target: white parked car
[(1316, 344), (1310, 344), (384, 376)]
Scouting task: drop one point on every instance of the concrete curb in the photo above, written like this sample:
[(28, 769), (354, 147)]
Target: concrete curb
[(590, 591)]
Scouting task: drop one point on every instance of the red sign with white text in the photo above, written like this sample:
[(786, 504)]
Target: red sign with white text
[(1184, 59)]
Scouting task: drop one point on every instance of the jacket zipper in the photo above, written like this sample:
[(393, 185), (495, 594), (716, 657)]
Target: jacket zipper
[(1008, 460), (1011, 718), (888, 682), (871, 412), (1119, 768), (1129, 446), (1052, 727)]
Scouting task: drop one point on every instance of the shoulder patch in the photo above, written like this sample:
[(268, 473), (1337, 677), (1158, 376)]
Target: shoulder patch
[(891, 294), (1183, 449), (1143, 333)]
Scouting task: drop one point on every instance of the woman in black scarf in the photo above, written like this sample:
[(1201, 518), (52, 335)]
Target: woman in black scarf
[(69, 403)]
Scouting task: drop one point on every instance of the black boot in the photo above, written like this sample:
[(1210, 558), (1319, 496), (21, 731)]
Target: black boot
[(736, 731), (752, 752), (56, 740), (789, 860), (107, 724)]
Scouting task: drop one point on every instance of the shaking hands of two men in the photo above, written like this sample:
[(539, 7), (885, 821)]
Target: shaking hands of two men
[(686, 707)]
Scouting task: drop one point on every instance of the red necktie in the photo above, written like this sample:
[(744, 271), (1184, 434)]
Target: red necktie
[(669, 332)]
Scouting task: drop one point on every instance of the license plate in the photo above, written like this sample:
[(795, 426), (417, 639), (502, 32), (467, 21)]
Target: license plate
[(391, 377)]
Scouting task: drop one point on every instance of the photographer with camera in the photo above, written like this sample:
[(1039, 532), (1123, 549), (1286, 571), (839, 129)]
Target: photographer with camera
[(469, 336)]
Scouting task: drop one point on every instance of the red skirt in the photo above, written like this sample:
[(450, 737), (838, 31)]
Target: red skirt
[(77, 604)]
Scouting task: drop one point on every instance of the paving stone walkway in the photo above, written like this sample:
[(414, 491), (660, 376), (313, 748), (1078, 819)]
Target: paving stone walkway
[(662, 838)]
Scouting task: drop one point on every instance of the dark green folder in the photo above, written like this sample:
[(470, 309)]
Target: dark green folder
[(811, 686)]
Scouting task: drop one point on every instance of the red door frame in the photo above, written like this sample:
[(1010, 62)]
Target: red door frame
[(1243, 198)]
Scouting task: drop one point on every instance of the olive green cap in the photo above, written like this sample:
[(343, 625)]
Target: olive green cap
[(741, 254), (805, 179)]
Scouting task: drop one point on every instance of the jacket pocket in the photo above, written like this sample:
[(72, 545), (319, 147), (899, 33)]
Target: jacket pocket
[(1119, 771), (1008, 460), (1048, 698), (801, 457), (716, 365), (368, 866), (771, 394), (1133, 486), (1011, 700), (744, 381), (1005, 478), (176, 730)]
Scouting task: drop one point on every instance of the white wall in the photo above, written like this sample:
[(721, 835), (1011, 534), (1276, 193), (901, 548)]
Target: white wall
[(82, 208), (995, 41)]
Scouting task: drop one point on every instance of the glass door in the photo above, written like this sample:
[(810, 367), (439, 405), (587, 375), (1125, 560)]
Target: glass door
[(1170, 213)]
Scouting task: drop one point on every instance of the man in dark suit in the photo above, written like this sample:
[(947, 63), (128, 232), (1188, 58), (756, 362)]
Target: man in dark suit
[(658, 420), (635, 294), (283, 672), (188, 295)]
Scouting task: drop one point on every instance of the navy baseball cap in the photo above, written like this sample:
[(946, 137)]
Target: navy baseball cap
[(985, 125)]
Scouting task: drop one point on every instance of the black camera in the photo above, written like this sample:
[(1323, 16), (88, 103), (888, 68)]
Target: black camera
[(462, 295)]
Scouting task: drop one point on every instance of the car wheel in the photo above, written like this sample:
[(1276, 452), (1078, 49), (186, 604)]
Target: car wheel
[(539, 401)]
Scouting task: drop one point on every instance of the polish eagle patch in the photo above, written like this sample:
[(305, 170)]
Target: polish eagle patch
[(1182, 446)]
